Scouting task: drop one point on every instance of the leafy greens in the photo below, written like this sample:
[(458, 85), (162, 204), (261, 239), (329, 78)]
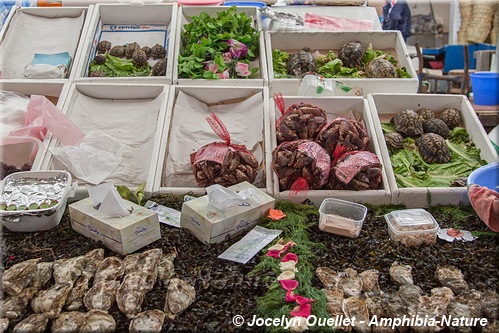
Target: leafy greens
[(115, 66)]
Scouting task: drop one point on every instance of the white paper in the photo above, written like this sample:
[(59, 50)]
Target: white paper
[(94, 159), (190, 131), (255, 240), (220, 197), (44, 71), (166, 215), (466, 237), (13, 113), (107, 200)]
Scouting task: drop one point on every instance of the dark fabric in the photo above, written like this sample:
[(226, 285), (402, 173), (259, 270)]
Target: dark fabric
[(399, 18)]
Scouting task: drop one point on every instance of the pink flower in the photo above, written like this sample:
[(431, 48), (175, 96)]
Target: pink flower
[(290, 256), (237, 49), (224, 74), (289, 284), (227, 57), (211, 66), (242, 69), (302, 310), (274, 254), (303, 300), (290, 296)]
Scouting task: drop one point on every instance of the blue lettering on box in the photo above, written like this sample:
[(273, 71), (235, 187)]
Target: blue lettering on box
[(195, 221), (93, 229), (139, 230), (244, 204), (243, 224)]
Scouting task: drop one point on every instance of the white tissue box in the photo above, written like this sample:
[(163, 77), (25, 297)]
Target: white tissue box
[(214, 226), (123, 235)]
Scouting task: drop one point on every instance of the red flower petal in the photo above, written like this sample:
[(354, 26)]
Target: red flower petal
[(454, 233), (302, 310), (290, 256), (303, 300), (290, 296), (274, 254), (287, 245), (289, 284)]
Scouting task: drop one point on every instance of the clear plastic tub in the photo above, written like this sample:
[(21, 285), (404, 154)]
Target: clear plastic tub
[(341, 217), (19, 152), (412, 227), (31, 220)]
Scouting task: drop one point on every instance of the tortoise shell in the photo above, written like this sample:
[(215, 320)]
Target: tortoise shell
[(380, 68), (351, 54), (394, 140), (301, 62), (159, 68), (97, 74), (118, 51), (158, 51), (437, 126), (147, 50), (425, 114), (139, 57), (408, 123), (130, 48), (100, 59), (451, 117), (433, 148), (103, 46), (459, 182)]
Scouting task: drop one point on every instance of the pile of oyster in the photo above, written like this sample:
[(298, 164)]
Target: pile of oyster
[(86, 287), (305, 137), (350, 294)]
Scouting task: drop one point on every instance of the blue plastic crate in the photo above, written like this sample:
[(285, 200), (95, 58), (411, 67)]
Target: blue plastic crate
[(454, 55)]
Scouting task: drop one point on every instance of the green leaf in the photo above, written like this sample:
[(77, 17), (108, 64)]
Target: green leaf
[(124, 192), (139, 193)]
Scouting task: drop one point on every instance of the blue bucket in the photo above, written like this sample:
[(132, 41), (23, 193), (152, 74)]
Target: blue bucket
[(485, 87), (487, 175), (245, 3)]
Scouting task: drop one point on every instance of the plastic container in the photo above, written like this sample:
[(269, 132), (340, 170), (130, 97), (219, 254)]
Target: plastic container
[(412, 227), (485, 87), (36, 219), (341, 217), (20, 151), (487, 175)]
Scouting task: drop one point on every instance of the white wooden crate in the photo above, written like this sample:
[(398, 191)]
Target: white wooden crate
[(388, 41), (335, 107), (385, 106), (261, 77), (184, 181), (119, 24)]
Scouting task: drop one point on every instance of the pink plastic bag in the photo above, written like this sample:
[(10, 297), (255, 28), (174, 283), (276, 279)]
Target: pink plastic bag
[(336, 23), (42, 115)]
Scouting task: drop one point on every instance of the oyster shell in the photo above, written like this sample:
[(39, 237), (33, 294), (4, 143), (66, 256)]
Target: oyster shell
[(328, 277), (474, 300), (98, 321), (68, 322), (147, 263), (4, 324), (68, 270), (14, 307), (434, 306), (166, 267), (179, 296), (491, 327), (34, 323), (129, 262), (94, 258), (374, 303), (490, 305), (458, 307), (450, 276), (150, 321), (334, 299), (19, 276), (356, 306), (401, 274), (370, 280), (75, 298), (410, 294), (51, 301), (131, 293), (351, 282), (42, 274), (111, 268), (394, 308), (101, 296)]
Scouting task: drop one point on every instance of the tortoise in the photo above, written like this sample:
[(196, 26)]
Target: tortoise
[(459, 182), (147, 50), (394, 140), (139, 57), (436, 125), (451, 117), (425, 114), (301, 62), (100, 59), (351, 54), (408, 123), (97, 74), (118, 51), (159, 68), (103, 46), (433, 148), (380, 68), (158, 51), (130, 48)]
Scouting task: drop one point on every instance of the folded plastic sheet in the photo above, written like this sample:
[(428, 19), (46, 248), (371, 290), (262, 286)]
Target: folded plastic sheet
[(336, 23)]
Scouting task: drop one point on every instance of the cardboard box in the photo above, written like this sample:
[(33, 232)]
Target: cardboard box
[(123, 235), (178, 179), (388, 41), (120, 24), (385, 106), (336, 107), (214, 226), (261, 77)]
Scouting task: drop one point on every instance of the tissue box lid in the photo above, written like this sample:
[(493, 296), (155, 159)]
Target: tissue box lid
[(138, 213), (200, 205)]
